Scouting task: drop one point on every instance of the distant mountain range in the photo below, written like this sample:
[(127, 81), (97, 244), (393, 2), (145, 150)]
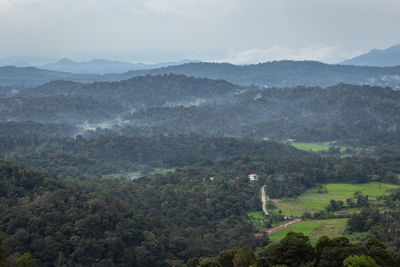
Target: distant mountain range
[(271, 74), (101, 66), (285, 73), (376, 57)]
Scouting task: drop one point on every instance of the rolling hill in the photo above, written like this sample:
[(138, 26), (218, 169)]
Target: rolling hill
[(271, 74), (102, 66)]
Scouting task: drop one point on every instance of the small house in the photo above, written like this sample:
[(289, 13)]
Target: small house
[(253, 177)]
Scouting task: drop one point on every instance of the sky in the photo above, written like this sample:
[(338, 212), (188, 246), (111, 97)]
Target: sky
[(236, 31)]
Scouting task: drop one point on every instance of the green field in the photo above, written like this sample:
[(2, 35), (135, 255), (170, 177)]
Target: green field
[(313, 201), (324, 147), (312, 146), (330, 228), (315, 229), (162, 171), (306, 227)]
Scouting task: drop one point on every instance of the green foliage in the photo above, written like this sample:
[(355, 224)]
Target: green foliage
[(293, 250), (225, 258), (3, 255), (25, 260), (117, 154), (126, 222), (360, 261), (332, 252), (243, 258)]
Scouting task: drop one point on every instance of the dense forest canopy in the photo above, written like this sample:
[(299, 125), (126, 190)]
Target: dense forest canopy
[(193, 212), (120, 154), (171, 104), (154, 170)]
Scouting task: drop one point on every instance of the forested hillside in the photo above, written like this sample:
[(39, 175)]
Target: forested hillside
[(149, 222), (346, 113), (154, 221), (170, 104), (119, 154)]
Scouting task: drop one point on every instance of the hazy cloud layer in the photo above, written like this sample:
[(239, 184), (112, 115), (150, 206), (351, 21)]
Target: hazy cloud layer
[(320, 53), (241, 31)]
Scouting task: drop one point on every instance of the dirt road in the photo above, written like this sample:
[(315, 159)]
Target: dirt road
[(277, 228), (264, 199)]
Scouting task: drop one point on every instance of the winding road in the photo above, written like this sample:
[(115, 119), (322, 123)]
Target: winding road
[(264, 199)]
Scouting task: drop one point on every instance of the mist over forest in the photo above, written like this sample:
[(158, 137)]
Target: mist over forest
[(116, 159)]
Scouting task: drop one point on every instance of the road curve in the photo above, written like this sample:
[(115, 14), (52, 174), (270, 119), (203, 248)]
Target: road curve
[(264, 200)]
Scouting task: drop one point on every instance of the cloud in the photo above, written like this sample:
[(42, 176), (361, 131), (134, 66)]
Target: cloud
[(158, 30), (163, 7), (329, 54), (5, 5)]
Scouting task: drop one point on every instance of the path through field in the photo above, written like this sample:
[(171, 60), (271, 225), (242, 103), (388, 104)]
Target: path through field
[(277, 228)]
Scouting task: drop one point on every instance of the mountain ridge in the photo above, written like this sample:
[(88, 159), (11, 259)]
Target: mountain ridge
[(279, 74), (103, 66), (377, 57)]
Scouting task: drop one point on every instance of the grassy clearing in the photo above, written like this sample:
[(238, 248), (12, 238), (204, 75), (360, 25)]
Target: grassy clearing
[(315, 147), (162, 171), (313, 201), (316, 228), (305, 227), (258, 219), (330, 228), (324, 147)]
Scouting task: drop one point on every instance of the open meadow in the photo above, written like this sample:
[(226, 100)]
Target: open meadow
[(315, 229), (305, 227), (313, 201), (315, 147)]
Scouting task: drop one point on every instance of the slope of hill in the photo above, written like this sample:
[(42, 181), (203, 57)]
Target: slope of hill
[(365, 115), (156, 220), (376, 57), (179, 104), (101, 66), (71, 102), (143, 91), (24, 77)]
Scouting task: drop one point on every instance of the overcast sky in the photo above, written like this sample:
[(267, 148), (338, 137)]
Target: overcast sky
[(237, 31)]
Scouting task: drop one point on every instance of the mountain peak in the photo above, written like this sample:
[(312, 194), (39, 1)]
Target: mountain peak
[(65, 61), (376, 57)]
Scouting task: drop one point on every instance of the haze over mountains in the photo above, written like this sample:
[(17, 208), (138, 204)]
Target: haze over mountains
[(377, 57), (270, 74), (177, 104)]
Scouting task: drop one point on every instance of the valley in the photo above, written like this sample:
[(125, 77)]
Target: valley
[(155, 169)]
